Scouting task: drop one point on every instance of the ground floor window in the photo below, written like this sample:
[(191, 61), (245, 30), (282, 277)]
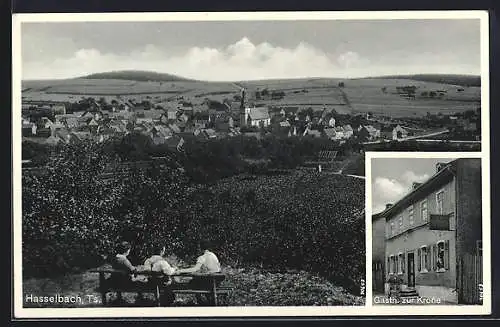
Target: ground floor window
[(440, 256), (401, 263), (423, 254), (392, 264)]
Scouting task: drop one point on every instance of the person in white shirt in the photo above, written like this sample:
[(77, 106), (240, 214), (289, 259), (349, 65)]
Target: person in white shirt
[(205, 263), (158, 263)]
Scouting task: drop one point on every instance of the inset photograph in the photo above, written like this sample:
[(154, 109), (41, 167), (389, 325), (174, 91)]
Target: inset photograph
[(426, 231)]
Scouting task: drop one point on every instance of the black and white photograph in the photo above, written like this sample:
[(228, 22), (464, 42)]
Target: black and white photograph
[(427, 233), (191, 162)]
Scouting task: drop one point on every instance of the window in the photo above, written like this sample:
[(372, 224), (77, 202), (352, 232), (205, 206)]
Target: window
[(424, 259), (440, 257), (392, 264), (401, 223), (401, 263), (423, 210), (392, 231), (410, 215), (439, 202)]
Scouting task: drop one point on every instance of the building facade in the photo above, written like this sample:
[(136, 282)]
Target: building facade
[(430, 231)]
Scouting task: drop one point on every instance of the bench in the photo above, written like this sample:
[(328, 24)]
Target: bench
[(155, 285)]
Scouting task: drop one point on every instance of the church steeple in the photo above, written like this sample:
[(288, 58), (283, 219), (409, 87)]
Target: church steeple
[(243, 120)]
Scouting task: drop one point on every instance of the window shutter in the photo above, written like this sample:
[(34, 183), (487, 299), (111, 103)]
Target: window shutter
[(428, 260), (434, 257), (419, 260), (388, 265), (447, 255), (404, 262)]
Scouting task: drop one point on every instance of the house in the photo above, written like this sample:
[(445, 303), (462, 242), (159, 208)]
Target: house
[(118, 126), (399, 133), (339, 133), (285, 123), (209, 133), (433, 235), (348, 131), (43, 132), (368, 132), (329, 133), (201, 119), (378, 253), (257, 116), (28, 129), (71, 122)]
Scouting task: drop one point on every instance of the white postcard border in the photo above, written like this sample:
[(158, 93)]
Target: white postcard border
[(368, 309)]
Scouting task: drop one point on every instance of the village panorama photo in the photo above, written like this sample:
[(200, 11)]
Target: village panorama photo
[(198, 163)]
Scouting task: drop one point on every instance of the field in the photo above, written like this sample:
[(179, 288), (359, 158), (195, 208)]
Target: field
[(377, 95)]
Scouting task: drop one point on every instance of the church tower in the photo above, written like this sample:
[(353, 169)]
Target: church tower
[(243, 118)]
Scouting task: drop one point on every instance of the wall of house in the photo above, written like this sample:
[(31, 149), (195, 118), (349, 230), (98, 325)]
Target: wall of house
[(449, 204), (413, 240), (469, 208), (378, 240), (412, 236)]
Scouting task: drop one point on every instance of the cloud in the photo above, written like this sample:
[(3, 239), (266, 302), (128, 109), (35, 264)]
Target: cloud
[(241, 60), (386, 190)]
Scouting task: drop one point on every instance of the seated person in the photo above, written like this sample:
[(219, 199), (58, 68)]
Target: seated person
[(121, 262), (206, 263), (158, 263)]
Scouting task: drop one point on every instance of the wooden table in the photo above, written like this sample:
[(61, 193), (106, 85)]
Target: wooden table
[(156, 285)]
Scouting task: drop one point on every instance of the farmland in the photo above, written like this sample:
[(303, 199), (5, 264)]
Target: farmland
[(376, 95)]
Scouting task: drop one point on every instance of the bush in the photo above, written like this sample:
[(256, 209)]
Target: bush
[(75, 213)]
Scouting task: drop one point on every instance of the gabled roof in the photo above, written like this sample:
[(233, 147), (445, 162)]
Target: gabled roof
[(439, 178), (210, 133), (259, 113), (370, 128)]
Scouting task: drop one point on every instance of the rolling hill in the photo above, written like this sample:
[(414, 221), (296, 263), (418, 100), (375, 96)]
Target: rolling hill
[(137, 75), (358, 95), (461, 80)]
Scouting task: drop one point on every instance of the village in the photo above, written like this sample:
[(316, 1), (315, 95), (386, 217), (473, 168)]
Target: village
[(173, 122)]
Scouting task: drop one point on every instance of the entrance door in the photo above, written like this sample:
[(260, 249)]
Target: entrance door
[(411, 269)]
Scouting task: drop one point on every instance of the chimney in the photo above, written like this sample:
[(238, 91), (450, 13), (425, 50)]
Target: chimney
[(388, 205), (415, 185)]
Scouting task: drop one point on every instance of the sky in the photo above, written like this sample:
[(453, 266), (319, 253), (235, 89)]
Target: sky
[(246, 50), (392, 178)]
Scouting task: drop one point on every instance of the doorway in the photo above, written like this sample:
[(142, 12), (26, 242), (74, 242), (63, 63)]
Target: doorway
[(411, 269)]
